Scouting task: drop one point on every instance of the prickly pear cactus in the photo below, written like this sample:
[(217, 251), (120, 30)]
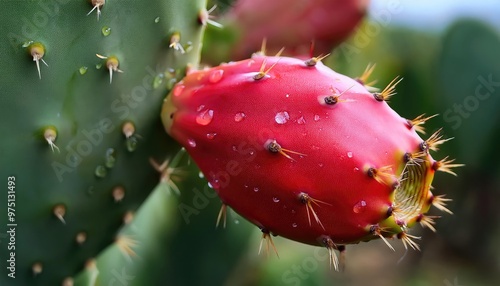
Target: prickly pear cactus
[(291, 24), (306, 153), (82, 87)]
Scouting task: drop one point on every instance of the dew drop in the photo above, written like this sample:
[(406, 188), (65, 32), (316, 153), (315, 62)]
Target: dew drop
[(215, 184), (192, 143), (349, 154), (287, 95), (157, 20), (294, 225), (101, 171), (131, 143), (83, 70), (276, 200), (281, 117), (239, 117), (359, 207), (211, 136), (321, 165), (236, 221), (356, 169), (205, 117), (110, 158), (98, 66), (255, 189), (158, 80), (216, 76), (316, 117), (178, 89), (106, 31), (301, 120), (200, 174)]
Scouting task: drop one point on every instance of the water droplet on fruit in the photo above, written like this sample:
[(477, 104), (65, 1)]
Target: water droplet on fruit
[(200, 174), (359, 207), (276, 200), (281, 117), (83, 70), (255, 189), (100, 171), (349, 154), (178, 89), (106, 31), (321, 165), (205, 117), (157, 20), (294, 225), (216, 76), (239, 117), (287, 95), (301, 120), (214, 184), (356, 169), (316, 118), (211, 136), (192, 143), (293, 211), (110, 158)]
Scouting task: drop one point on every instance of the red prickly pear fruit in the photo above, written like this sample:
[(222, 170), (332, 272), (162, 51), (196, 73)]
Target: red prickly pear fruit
[(294, 24), (307, 153)]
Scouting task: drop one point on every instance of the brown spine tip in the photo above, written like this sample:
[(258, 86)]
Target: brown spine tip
[(112, 64), (37, 51), (175, 42), (446, 165), (68, 281), (81, 237), (331, 246), (274, 147), (128, 217), (97, 4), (37, 268), (118, 194), (128, 129), (50, 135), (331, 100), (59, 212), (314, 60), (363, 79), (266, 235)]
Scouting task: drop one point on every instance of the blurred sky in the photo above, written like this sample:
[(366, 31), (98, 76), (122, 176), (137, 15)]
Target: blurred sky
[(437, 14)]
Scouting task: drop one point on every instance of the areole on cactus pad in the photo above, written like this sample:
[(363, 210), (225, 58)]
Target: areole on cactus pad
[(307, 153)]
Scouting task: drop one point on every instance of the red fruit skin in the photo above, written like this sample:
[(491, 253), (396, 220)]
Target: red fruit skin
[(340, 143), (294, 24)]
